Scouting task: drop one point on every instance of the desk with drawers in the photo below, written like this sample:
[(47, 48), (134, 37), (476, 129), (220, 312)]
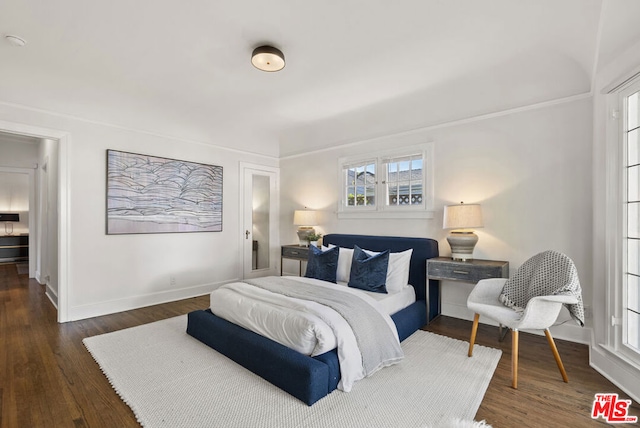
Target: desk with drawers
[(445, 268), (294, 252)]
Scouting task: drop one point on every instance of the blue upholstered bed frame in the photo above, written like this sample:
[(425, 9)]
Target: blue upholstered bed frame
[(311, 378)]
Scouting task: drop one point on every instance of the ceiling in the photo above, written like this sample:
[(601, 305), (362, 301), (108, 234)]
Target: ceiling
[(184, 70)]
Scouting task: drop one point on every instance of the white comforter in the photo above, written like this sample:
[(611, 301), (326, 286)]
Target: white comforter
[(305, 326)]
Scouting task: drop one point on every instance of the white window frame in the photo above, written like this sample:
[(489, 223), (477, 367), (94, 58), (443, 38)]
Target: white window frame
[(380, 209), (617, 225), (358, 162)]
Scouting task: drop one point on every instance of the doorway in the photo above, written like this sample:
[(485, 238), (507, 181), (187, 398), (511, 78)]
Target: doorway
[(58, 242), (18, 231), (259, 208)]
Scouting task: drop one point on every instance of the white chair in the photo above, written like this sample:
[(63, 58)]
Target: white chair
[(540, 312)]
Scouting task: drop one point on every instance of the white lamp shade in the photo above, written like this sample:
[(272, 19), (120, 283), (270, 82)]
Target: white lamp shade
[(462, 216), (305, 218)]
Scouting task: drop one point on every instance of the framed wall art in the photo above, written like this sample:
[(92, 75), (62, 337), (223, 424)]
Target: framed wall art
[(149, 194)]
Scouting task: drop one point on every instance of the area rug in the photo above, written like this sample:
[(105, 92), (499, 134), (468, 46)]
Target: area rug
[(170, 379)]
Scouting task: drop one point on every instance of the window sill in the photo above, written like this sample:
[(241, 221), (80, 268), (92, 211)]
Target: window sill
[(344, 215)]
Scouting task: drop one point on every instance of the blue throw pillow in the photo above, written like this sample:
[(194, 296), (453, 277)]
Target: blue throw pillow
[(369, 272), (322, 264)]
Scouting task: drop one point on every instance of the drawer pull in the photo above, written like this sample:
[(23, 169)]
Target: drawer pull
[(294, 253), (461, 271)]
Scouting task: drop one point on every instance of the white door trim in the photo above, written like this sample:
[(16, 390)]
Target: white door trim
[(63, 206)]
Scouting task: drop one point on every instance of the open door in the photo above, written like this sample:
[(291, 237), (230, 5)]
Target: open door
[(260, 235)]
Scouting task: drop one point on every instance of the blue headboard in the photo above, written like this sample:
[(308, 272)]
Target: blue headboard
[(423, 249)]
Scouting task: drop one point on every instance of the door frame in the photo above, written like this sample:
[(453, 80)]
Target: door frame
[(63, 206), (274, 218)]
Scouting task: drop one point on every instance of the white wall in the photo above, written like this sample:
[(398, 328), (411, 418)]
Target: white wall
[(17, 152), (530, 170), (14, 198), (114, 273), (14, 187)]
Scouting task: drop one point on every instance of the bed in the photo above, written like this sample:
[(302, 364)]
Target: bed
[(309, 378)]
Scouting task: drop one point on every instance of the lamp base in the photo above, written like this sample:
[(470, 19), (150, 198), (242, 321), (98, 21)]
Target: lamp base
[(462, 245), (303, 234)]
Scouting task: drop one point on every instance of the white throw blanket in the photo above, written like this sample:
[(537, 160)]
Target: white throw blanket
[(546, 274), (366, 337)]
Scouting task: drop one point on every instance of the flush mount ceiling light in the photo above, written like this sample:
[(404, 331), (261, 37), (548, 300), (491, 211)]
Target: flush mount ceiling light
[(267, 58), (15, 40)]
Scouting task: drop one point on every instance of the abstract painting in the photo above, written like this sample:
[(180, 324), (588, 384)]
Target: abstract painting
[(148, 194)]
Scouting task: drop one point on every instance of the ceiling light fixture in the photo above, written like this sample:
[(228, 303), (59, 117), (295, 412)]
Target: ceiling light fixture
[(15, 40), (267, 58)]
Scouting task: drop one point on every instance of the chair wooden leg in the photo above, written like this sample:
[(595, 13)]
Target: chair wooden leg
[(514, 359), (474, 331), (556, 355)]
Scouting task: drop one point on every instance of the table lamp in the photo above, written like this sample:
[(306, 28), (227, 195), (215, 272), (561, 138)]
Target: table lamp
[(305, 220), (462, 219), (8, 218)]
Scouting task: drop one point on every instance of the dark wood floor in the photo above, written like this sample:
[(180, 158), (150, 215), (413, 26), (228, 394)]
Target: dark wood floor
[(542, 398), (48, 379)]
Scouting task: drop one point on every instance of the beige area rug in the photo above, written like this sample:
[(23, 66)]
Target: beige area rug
[(170, 379)]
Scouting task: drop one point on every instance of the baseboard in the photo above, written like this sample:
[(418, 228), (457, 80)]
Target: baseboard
[(135, 302), (570, 331), (52, 295), (622, 375)]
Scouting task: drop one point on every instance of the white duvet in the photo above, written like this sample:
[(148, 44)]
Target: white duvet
[(305, 326)]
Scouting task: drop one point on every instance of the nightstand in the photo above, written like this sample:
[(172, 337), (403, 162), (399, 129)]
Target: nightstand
[(294, 252), (445, 268)]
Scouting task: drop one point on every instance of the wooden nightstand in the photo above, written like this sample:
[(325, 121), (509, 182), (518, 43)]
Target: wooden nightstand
[(445, 268), (294, 252)]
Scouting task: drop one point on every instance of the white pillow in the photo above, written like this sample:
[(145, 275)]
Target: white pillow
[(397, 271), (345, 255)]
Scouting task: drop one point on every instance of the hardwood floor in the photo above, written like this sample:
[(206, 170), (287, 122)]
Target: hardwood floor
[(48, 379), (542, 398)]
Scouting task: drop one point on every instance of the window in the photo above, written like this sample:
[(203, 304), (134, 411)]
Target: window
[(388, 184), (623, 289), (615, 347), (630, 133), (360, 184), (404, 178)]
